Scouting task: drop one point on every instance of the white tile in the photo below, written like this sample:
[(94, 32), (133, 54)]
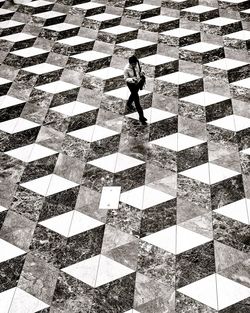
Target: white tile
[(2, 208), (29, 52), (119, 29), (204, 291), (245, 83), (102, 17), (110, 198), (201, 47), (31, 152), (92, 133), (176, 239), (42, 68), (220, 21), (178, 78), (156, 59), (124, 93), (226, 64), (88, 5), (60, 27), (39, 185), (159, 19), (237, 210), (5, 11), (153, 115), (97, 271), (246, 151), (232, 122), (230, 292), (116, 162), (204, 98), (142, 7), (16, 300), (9, 24), (209, 173), (246, 11), (75, 40), (71, 223), (8, 126), (144, 197), (49, 185), (9, 251), (90, 55), (9, 101), (242, 35), (179, 32), (219, 173), (17, 37), (38, 3), (106, 73), (235, 1), (56, 87), (4, 81), (177, 142), (198, 9), (73, 108), (48, 14), (136, 44), (16, 125)]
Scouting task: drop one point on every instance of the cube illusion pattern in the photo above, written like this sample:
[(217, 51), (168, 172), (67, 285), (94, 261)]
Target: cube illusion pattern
[(99, 214)]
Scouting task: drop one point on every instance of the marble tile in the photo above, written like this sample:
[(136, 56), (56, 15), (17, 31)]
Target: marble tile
[(97, 271), (223, 292), (99, 212), (17, 300)]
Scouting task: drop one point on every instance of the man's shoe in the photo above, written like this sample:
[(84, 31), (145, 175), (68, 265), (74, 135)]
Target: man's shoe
[(144, 119), (143, 122)]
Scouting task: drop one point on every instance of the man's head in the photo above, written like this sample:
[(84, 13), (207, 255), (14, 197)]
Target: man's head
[(133, 60)]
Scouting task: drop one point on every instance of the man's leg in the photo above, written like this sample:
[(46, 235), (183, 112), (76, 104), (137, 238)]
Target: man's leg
[(134, 95), (137, 103), (131, 97)]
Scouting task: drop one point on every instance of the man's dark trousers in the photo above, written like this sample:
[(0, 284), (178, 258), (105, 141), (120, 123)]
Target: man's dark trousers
[(134, 97)]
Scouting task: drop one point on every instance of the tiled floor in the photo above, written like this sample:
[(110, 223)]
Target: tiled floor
[(99, 214)]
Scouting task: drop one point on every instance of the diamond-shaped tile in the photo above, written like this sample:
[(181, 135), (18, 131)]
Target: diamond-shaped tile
[(31, 152), (216, 291), (93, 133), (9, 251), (17, 125), (98, 270), (176, 239), (71, 223), (209, 173), (16, 300), (232, 122), (238, 210), (49, 185), (152, 115), (73, 108), (177, 142), (116, 162), (144, 197), (8, 101)]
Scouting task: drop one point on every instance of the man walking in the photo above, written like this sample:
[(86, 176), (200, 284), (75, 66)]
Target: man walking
[(135, 81)]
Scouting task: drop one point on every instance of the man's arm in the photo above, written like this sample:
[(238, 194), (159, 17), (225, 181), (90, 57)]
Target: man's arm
[(127, 78)]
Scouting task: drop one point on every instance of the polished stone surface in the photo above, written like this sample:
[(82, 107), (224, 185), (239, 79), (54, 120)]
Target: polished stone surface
[(99, 213)]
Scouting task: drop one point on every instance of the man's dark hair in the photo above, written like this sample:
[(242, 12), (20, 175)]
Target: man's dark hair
[(133, 59)]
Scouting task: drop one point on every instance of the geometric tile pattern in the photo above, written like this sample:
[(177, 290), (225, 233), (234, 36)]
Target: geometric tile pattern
[(99, 213)]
